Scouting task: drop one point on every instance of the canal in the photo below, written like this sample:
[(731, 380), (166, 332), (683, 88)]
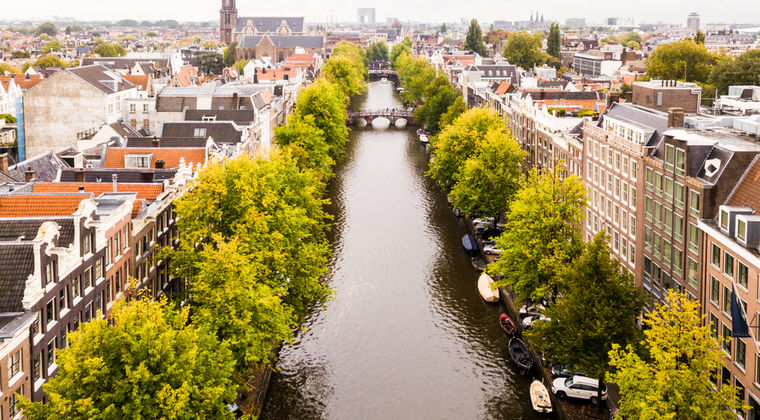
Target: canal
[(406, 336)]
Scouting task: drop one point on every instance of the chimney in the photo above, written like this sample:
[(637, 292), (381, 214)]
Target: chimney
[(115, 179), (79, 175), (29, 176), (156, 142), (675, 118), (4, 163), (612, 98), (234, 100), (160, 164)]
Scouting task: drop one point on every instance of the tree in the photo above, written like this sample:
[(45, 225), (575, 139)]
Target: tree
[(49, 61), (542, 233), (147, 362), (10, 119), (345, 73), (16, 54), (583, 325), (4, 67), (230, 54), (444, 28), (46, 28), (674, 380), (524, 49), (211, 63), (415, 74), (554, 41), (699, 38), (495, 36), (458, 142), (51, 46), (491, 176), (681, 60), (439, 96), (742, 70), (474, 39), (325, 102), (633, 45), (399, 49), (377, 51), (307, 143), (209, 44), (455, 110), (110, 50)]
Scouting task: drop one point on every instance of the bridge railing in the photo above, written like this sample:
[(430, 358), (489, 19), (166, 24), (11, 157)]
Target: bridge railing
[(381, 113)]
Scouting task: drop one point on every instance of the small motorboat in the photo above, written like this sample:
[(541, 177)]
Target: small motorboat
[(540, 399), (484, 287), (518, 351), (470, 244), (478, 264), (458, 212), (420, 131), (424, 139), (506, 324)]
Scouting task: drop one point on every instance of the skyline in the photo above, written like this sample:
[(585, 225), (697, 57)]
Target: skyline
[(344, 11)]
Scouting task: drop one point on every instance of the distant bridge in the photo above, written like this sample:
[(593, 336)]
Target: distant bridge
[(391, 114), (379, 74)]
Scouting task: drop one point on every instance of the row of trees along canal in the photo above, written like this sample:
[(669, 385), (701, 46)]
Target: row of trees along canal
[(666, 371), (253, 248)]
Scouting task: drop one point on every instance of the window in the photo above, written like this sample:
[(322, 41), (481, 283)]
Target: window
[(87, 244), (678, 227), (87, 313), (137, 161), (741, 230), (726, 307), (633, 197), (694, 204), (199, 132), (713, 325), (76, 290), (669, 190), (14, 364), (634, 168), (117, 243), (680, 162), (677, 261), (118, 282), (728, 264), (50, 272), (617, 161), (743, 275), (693, 238), (716, 255), (36, 369), (670, 157), (659, 98), (633, 225), (714, 290), (146, 108), (146, 123), (109, 292), (647, 238), (63, 301), (741, 352), (648, 207), (632, 254), (109, 256), (50, 312), (125, 236), (99, 268), (724, 220), (13, 402), (678, 195), (625, 193), (51, 353), (693, 274), (88, 278), (650, 178), (132, 108), (727, 342)]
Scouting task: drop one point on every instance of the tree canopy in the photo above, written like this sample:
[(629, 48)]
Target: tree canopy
[(742, 70), (415, 74), (148, 362), (542, 234), (46, 28), (4, 67), (404, 47), (51, 46), (554, 41), (306, 143), (345, 73), (110, 50), (325, 102), (583, 326), (47, 61), (378, 51), (439, 96), (229, 55), (681, 60), (674, 380), (473, 41), (524, 49), (495, 36)]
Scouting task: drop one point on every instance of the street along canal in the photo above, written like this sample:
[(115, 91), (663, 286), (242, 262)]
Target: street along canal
[(406, 336)]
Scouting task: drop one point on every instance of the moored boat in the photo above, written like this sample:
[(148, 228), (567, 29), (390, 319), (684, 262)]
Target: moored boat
[(518, 351), (424, 139), (506, 324), (484, 287), (469, 243), (539, 398), (478, 264)]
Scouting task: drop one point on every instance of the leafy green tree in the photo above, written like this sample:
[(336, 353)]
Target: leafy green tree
[(240, 66), (211, 63), (110, 50), (325, 102), (542, 234), (378, 51), (495, 36), (455, 110), (439, 96), (4, 67), (230, 54), (699, 38), (491, 176), (633, 45), (524, 49), (554, 41), (444, 28), (674, 380), (307, 143), (16, 54), (398, 50), (351, 51), (742, 70), (147, 362), (46, 28), (473, 41), (10, 119), (583, 325), (415, 74), (459, 142), (51, 46), (681, 60), (345, 73), (49, 61)]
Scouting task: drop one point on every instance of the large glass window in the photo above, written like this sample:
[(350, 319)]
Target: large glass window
[(694, 238), (693, 274), (741, 352), (742, 275), (680, 162), (694, 204), (728, 264), (14, 364), (727, 339), (714, 290), (716, 255), (726, 307)]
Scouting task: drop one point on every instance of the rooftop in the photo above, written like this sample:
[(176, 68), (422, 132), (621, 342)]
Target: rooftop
[(38, 205)]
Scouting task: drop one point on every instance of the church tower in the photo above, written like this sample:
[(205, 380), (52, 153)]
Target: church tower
[(227, 21)]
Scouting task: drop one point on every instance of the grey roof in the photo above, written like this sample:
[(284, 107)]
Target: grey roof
[(124, 175), (149, 65), (178, 99), (542, 95), (124, 129), (270, 24), (18, 264), (220, 131), (45, 167), (645, 117), (284, 41), (239, 116), (183, 142), (101, 78), (494, 70), (12, 229), (6, 178)]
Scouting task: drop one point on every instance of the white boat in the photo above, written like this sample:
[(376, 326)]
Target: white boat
[(539, 397), (424, 139), (484, 287)]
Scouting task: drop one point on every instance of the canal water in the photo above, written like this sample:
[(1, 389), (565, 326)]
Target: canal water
[(406, 336)]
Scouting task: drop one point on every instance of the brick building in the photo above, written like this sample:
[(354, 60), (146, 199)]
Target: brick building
[(665, 94)]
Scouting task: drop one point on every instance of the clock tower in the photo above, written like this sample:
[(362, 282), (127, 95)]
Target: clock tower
[(227, 21)]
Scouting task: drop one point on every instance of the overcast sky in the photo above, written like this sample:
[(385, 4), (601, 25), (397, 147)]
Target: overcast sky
[(649, 11)]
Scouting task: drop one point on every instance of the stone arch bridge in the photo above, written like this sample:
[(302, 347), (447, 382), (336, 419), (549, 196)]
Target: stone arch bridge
[(391, 114)]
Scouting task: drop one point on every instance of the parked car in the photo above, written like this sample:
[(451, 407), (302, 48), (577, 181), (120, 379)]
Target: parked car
[(528, 322), (526, 310), (580, 387), (492, 249), (564, 371)]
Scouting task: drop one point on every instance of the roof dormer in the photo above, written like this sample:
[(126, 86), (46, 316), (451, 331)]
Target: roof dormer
[(727, 218)]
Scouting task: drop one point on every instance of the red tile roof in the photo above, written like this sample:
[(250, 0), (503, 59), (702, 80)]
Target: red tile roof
[(22, 81), (144, 191), (138, 80), (115, 157), (40, 205), (276, 74), (747, 192)]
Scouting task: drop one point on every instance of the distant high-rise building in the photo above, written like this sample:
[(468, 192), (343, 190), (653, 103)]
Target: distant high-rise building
[(366, 16), (575, 23), (692, 22)]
